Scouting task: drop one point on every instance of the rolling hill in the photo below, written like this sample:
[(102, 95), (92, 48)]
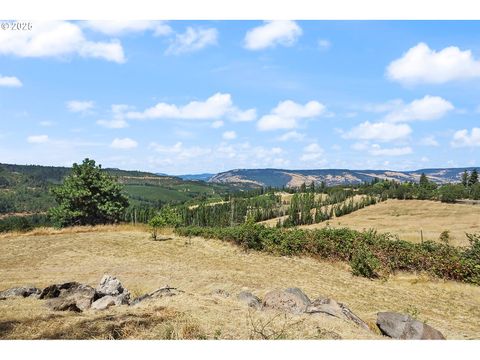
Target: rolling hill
[(295, 178)]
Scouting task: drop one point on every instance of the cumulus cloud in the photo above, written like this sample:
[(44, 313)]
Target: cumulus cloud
[(271, 34), (38, 139), (122, 27), (429, 141), (420, 64), (287, 113), (217, 124), (10, 81), (312, 152), (118, 121), (427, 108), (123, 144), (58, 39), (377, 150), (179, 151), (291, 135), (215, 107), (464, 138), (381, 131), (193, 39), (80, 106), (229, 135)]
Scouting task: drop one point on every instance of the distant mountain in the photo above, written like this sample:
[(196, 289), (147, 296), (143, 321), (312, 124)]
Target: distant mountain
[(295, 178), (198, 177)]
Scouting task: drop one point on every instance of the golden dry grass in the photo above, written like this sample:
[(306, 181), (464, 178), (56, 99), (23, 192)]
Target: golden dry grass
[(199, 267), (406, 218)]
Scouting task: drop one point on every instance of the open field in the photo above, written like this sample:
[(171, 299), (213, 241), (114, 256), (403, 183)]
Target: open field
[(200, 267), (406, 218)]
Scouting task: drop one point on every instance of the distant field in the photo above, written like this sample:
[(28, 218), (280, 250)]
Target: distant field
[(199, 267), (406, 218)]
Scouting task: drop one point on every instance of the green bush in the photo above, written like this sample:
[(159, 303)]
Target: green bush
[(364, 263)]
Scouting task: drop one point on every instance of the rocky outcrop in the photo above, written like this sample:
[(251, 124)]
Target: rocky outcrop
[(110, 285), (336, 309), (159, 293), (249, 299), (75, 298), (54, 291), (403, 326), (291, 300), (23, 291)]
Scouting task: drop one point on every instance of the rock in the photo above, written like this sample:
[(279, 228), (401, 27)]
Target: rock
[(334, 308), (249, 299), (110, 285), (403, 326), (53, 291), (23, 291), (76, 297), (159, 293), (291, 300), (221, 292)]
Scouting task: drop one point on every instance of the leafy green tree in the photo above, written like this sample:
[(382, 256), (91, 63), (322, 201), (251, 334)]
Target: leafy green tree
[(473, 178), (88, 196), (423, 180), (167, 217), (465, 178)]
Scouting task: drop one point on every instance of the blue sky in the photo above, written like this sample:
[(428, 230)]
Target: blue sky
[(194, 96)]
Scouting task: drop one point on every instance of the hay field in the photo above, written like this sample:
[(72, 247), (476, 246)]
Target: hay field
[(406, 218), (199, 267)]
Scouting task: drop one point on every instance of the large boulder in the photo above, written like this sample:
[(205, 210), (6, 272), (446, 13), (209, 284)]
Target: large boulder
[(76, 298), (165, 291), (403, 326), (336, 309), (291, 300), (110, 285), (23, 291), (54, 291), (249, 299)]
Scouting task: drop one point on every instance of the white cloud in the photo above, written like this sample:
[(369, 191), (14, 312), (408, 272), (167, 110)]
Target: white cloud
[(38, 139), (57, 39), (180, 152), (291, 135), (46, 123), (287, 113), (217, 124), (427, 108), (420, 64), (377, 150), (122, 27), (429, 141), (382, 131), (10, 81), (118, 121), (229, 135), (193, 39), (123, 144), (80, 106), (324, 44), (215, 107), (271, 34), (312, 152), (462, 138)]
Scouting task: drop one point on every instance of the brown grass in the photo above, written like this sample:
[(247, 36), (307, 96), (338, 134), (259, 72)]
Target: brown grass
[(406, 218), (199, 267)]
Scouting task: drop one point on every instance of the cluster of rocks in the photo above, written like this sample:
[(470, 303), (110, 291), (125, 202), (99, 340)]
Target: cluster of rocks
[(73, 296), (294, 301), (77, 297)]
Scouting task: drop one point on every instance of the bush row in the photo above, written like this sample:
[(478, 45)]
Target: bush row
[(368, 252), (24, 223)]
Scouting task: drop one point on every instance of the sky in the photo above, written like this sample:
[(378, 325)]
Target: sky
[(185, 97)]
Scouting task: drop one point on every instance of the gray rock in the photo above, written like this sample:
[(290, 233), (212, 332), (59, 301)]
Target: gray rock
[(23, 291), (249, 299), (336, 309), (104, 302), (76, 298), (403, 326), (54, 291), (110, 285), (159, 293), (291, 300)]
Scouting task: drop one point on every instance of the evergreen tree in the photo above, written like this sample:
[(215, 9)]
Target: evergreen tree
[(465, 178), (423, 180), (473, 178)]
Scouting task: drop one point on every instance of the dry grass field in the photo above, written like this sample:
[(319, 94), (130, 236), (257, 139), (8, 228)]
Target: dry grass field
[(199, 267), (406, 218)]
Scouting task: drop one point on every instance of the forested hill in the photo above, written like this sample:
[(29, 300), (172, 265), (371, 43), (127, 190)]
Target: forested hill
[(295, 178)]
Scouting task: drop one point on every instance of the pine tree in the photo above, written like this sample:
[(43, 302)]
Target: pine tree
[(423, 180), (465, 178), (473, 178)]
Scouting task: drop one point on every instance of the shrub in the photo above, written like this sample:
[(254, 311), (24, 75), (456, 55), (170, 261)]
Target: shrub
[(364, 263)]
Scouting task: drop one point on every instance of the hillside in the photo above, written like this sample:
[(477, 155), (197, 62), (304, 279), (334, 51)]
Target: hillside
[(295, 178), (210, 273)]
